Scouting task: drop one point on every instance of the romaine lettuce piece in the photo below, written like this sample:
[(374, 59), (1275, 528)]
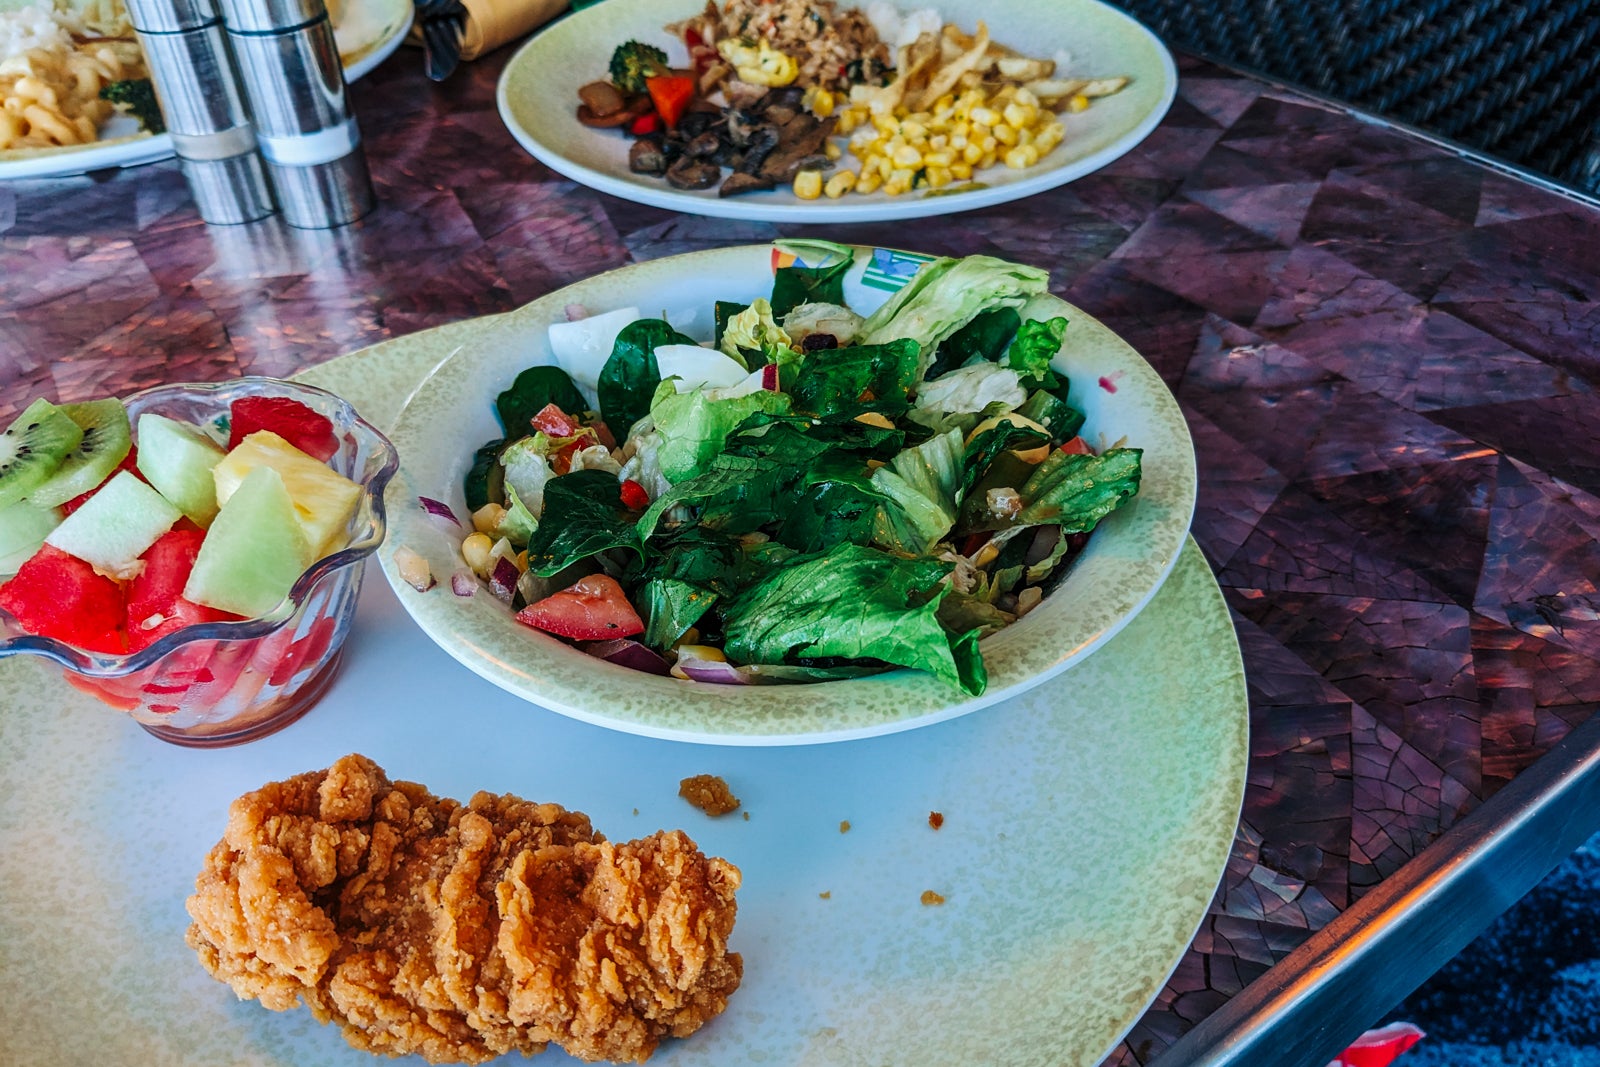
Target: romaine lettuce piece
[(1076, 491), (694, 425), (1053, 413), (854, 603), (922, 485), (527, 470), (669, 607), (753, 337), (518, 523), (1035, 345), (965, 395), (946, 294)]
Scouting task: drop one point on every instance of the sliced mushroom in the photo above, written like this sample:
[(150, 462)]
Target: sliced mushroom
[(647, 156), (738, 182), (687, 173)]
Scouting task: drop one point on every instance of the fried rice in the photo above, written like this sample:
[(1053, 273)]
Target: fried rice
[(835, 47)]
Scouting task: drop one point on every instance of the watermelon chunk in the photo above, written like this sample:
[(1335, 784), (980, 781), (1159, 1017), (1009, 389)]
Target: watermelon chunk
[(291, 420), (60, 596), (156, 605)]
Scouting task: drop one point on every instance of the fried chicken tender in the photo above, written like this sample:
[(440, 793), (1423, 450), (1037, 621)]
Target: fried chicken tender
[(462, 932)]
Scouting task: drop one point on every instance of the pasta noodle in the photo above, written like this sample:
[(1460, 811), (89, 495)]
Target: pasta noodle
[(50, 90)]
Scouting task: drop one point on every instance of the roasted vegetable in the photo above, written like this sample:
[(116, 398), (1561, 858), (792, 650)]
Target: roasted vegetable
[(633, 62)]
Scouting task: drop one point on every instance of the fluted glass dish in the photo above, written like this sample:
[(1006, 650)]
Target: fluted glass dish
[(222, 683)]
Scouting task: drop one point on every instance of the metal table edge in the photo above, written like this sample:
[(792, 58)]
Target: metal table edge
[(1315, 1001)]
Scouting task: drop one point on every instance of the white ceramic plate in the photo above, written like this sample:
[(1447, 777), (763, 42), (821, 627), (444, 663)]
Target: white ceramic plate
[(367, 32), (451, 414), (538, 98)]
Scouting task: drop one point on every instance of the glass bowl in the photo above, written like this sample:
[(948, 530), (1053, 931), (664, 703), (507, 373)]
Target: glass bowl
[(222, 683)]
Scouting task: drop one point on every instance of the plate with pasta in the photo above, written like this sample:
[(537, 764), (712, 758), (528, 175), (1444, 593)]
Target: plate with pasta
[(57, 57)]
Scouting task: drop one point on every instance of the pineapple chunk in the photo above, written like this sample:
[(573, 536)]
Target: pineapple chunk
[(323, 498)]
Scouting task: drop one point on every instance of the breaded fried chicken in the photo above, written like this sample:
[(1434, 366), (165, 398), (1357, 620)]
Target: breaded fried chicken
[(462, 932)]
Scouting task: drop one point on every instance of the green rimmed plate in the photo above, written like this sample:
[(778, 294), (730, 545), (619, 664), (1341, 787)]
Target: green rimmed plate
[(451, 414)]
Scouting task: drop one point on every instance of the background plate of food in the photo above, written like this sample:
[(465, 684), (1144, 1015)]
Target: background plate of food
[(819, 111), (56, 58), (833, 601)]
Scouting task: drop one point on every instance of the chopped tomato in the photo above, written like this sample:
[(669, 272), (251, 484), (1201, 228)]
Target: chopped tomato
[(671, 94), (634, 497), (553, 422), (972, 542), (1077, 446), (593, 609)]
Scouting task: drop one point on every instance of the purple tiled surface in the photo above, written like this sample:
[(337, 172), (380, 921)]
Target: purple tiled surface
[(1388, 356)]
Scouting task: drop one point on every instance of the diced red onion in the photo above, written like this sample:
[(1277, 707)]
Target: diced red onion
[(574, 312), (626, 653), (713, 671), (463, 583), (438, 508), (769, 377), (503, 579)]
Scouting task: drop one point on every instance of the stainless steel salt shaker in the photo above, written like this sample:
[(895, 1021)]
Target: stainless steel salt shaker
[(203, 107), (294, 82)]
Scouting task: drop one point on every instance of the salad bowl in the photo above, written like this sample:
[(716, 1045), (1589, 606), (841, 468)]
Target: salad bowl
[(451, 414)]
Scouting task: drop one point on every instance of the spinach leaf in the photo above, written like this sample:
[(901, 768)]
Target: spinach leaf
[(856, 603), (484, 478), (721, 312), (846, 382), (828, 511), (628, 380), (531, 392), (669, 607), (990, 444), (697, 556), (737, 494), (1052, 411), (1076, 491), (985, 337), (583, 515), (793, 286)]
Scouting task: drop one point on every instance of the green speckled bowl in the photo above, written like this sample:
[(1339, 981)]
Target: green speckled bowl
[(451, 414)]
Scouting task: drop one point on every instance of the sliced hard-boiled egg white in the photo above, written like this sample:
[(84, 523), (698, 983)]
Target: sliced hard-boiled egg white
[(694, 367), (582, 347)]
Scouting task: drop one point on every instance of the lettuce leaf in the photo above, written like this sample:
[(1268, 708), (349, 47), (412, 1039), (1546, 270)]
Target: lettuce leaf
[(1076, 491), (695, 425), (922, 485), (964, 396), (854, 603), (669, 607), (1034, 346), (754, 338)]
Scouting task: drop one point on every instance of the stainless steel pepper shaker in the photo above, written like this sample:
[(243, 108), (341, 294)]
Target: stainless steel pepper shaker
[(203, 107), (294, 82)]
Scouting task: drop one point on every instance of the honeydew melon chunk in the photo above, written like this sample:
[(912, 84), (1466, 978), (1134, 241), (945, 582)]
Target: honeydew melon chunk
[(114, 527), (178, 460), (23, 528), (254, 551), (323, 498)]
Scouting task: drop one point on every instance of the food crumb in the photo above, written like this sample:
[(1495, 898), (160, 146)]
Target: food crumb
[(636, 811), (747, 816), (710, 794), (826, 894), (935, 819), (931, 899), (844, 826)]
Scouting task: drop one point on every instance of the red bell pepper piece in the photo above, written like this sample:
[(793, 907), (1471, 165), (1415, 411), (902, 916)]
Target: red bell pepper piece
[(649, 122), (671, 94)]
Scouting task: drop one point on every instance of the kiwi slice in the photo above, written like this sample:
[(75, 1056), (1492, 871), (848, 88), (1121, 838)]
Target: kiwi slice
[(105, 443), (33, 447)]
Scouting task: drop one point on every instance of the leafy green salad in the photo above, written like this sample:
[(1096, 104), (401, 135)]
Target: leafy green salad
[(815, 494)]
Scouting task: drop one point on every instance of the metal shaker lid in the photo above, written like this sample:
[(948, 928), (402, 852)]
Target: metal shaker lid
[(170, 16)]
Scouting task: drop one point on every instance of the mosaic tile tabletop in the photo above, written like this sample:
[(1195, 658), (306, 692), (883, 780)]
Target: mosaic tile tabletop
[(1387, 355)]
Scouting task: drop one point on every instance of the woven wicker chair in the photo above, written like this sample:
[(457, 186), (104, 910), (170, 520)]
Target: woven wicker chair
[(1517, 79)]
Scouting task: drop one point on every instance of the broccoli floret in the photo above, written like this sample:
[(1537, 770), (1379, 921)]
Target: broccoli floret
[(137, 97), (633, 62)]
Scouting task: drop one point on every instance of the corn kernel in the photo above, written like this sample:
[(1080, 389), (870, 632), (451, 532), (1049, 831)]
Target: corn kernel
[(521, 560), (895, 188), (845, 123), (1005, 135), (475, 552), (961, 129), (937, 177), (808, 184), (839, 184), (988, 143), (869, 182), (822, 104), (958, 142), (1078, 103), (1019, 117), (906, 156), (939, 142), (832, 150), (913, 131), (948, 100), (961, 170), (986, 116), (885, 124), (488, 517), (902, 175), (987, 160), (1024, 137), (1025, 97), (972, 153), (1016, 158), (937, 159)]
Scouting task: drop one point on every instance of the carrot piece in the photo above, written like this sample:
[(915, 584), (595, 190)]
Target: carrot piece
[(671, 94)]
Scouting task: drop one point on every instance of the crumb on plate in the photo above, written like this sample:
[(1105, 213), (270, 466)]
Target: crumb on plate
[(935, 819), (710, 794), (931, 899)]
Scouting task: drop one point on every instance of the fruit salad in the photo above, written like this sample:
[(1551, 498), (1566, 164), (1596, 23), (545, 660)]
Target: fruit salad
[(176, 549)]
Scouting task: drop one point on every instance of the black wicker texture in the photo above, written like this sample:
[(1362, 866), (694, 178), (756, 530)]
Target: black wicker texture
[(1517, 79)]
